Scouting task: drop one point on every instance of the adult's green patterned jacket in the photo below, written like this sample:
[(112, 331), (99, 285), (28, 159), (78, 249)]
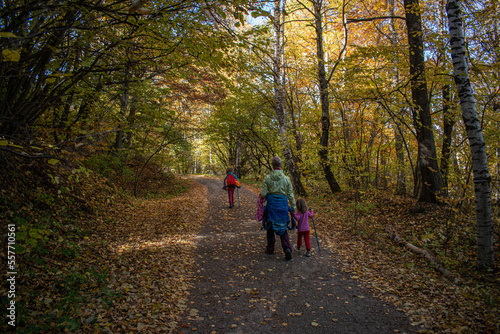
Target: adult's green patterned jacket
[(278, 183)]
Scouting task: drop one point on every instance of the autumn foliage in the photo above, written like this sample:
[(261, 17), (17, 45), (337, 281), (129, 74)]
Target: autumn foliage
[(106, 106)]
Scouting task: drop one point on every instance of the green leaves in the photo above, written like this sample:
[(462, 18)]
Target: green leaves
[(29, 237), (220, 12), (259, 13)]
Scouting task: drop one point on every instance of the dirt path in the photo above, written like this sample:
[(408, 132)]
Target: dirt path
[(240, 289)]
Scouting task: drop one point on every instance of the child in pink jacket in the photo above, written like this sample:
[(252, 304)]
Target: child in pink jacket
[(302, 217)]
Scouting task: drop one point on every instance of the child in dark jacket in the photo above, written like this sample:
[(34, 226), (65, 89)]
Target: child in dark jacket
[(303, 231)]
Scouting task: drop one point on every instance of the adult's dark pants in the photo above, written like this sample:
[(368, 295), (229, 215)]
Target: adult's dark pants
[(271, 240)]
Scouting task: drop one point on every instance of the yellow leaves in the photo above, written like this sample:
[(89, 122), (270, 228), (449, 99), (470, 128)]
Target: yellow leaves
[(294, 314), (9, 144), (11, 55), (54, 76), (427, 237), (7, 35)]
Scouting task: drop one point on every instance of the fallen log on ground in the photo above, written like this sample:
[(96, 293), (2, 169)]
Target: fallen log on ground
[(434, 262)]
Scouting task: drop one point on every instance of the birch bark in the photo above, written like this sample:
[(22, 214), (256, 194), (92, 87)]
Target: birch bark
[(398, 136), (280, 102), (482, 178)]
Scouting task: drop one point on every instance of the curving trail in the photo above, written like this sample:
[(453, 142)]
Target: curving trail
[(240, 289)]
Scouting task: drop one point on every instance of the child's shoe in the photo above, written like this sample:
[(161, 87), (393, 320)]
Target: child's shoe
[(308, 253), (288, 254)]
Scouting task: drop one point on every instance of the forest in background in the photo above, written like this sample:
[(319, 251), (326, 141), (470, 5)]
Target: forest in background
[(196, 86)]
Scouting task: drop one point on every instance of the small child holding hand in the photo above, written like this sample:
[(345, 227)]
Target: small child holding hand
[(302, 217)]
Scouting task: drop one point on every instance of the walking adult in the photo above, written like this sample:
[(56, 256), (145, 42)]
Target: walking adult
[(278, 191)]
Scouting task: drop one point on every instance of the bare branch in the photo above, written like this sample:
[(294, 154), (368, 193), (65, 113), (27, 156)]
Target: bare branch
[(374, 18)]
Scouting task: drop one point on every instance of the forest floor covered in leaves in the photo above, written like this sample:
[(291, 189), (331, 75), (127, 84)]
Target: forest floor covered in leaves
[(94, 259), (356, 226)]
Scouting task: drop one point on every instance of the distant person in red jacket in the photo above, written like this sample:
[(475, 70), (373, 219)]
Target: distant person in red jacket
[(230, 183)]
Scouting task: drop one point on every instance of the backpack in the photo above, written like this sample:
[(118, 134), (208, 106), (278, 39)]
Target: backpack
[(231, 181)]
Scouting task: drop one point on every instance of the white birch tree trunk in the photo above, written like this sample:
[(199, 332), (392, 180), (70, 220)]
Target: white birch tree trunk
[(279, 96), (398, 136), (482, 178)]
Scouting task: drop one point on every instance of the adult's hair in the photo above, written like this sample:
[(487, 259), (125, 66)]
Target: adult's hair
[(301, 205), (276, 162), (229, 170)]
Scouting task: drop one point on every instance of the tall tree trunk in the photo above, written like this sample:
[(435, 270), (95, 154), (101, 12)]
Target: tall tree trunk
[(238, 156), (482, 178), (280, 102), (131, 121), (400, 161), (448, 123), (497, 193), (324, 98), (398, 137), (496, 101), (296, 125), (427, 183), (123, 109)]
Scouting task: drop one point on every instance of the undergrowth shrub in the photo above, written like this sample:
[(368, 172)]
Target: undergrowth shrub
[(110, 165)]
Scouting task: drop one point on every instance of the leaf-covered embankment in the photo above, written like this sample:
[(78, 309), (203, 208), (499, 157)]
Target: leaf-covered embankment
[(354, 227), (90, 257)]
